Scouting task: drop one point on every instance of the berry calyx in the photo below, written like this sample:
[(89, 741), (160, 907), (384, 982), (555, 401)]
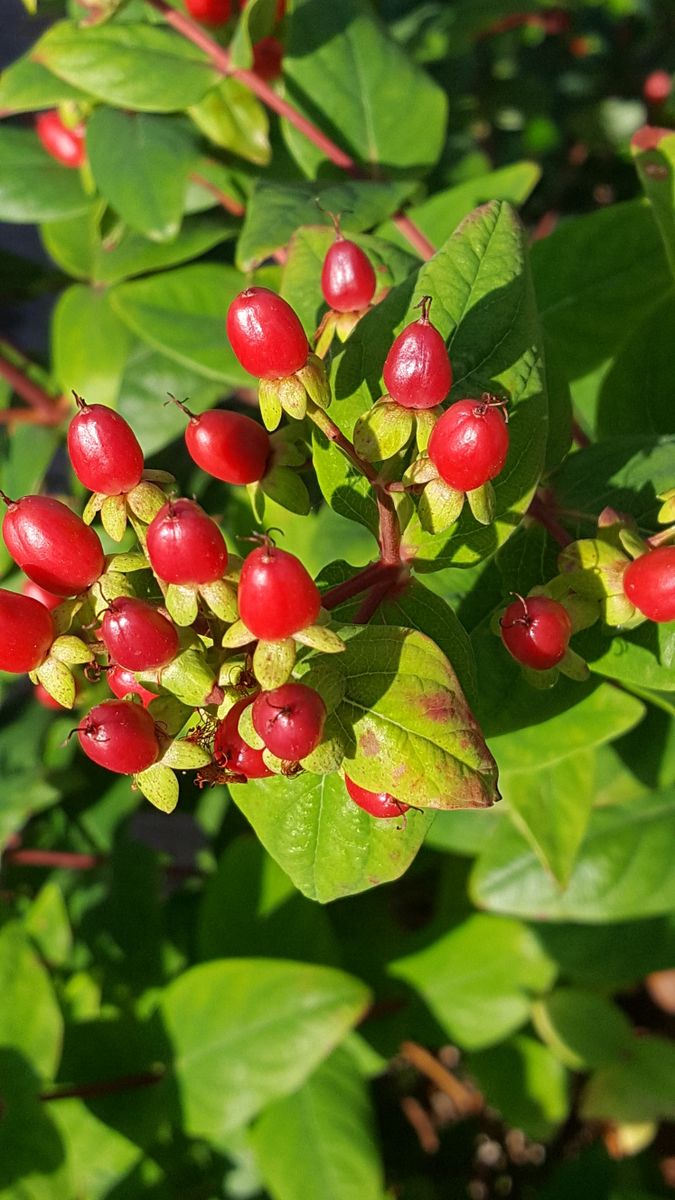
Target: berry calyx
[(268, 56), (137, 636), (185, 546), (62, 142), (277, 595), (378, 804), (41, 594), (45, 700), (210, 12), (417, 371), (26, 632), (227, 445), (649, 583), (266, 335), (120, 736), (123, 682), (52, 545), (231, 752), (347, 277), (290, 720), (104, 450), (536, 631), (469, 443)]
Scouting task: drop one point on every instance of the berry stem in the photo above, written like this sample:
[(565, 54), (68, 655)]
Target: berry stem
[(105, 1087), (54, 859), (372, 602), (582, 439), (16, 370), (233, 207), (376, 572), (221, 60), (541, 512)]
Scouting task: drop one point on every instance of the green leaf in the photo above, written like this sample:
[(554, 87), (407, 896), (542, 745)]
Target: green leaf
[(234, 119), (639, 1086), (583, 1030), (655, 168), (128, 65), (478, 977), (182, 313), (159, 785), (525, 1083), (408, 728), (48, 924), (140, 163), (279, 1021), (625, 473), (89, 344), (33, 186), (31, 1150), (636, 373), (275, 211), (25, 86), (341, 57), (552, 807), (327, 844), (148, 379), (342, 485), (440, 215), (623, 869), (98, 1157), (611, 957), (287, 488), (643, 657), (340, 1158), (30, 1017), (256, 20)]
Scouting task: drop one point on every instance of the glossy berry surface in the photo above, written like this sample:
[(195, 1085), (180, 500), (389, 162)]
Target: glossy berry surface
[(536, 631), (49, 599), (120, 736), (63, 143), (290, 720), (378, 804), (231, 752), (265, 334), (649, 583), (469, 444), (26, 632), (228, 446), (277, 595), (347, 278), (210, 12), (137, 636), (657, 87), (52, 545), (122, 682), (185, 545), (417, 371), (268, 55), (104, 450)]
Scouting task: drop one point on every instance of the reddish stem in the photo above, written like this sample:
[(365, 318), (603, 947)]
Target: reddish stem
[(52, 858), (29, 416), (376, 572), (31, 392), (372, 602), (234, 208), (105, 1087), (582, 439), (542, 513)]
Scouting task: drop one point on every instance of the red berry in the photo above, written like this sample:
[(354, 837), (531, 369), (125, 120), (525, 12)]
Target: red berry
[(62, 142), (347, 278), (228, 446), (52, 545), (536, 631), (657, 87), (378, 804), (43, 697), (185, 545), (290, 720), (137, 636), (265, 334), (417, 371), (121, 682), (469, 444), (649, 583), (120, 736), (103, 449), (232, 752), (210, 12), (34, 590), (26, 632), (277, 595), (268, 56)]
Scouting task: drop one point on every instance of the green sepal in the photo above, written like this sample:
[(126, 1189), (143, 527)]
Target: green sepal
[(288, 450), (620, 612), (247, 730), (56, 678), (425, 419), (221, 598), (63, 614), (483, 503), (278, 765), (582, 611), (323, 338), (574, 666), (542, 680), (114, 517), (182, 604), (256, 498), (421, 471), (286, 488), (439, 507), (150, 475), (273, 662), (237, 635), (109, 586), (230, 697), (93, 507), (145, 501), (633, 544), (329, 754), (184, 755), (666, 513), (595, 568), (345, 323), (270, 404), (383, 430), (125, 564), (188, 677), (292, 396), (315, 382), (159, 785), (70, 650), (169, 713), (318, 637)]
